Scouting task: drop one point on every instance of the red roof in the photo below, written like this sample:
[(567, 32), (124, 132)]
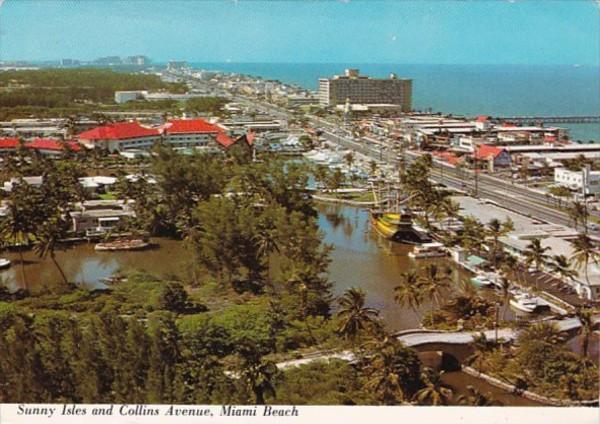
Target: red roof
[(485, 151), (118, 131), (483, 118), (224, 140), (8, 143), (51, 144), (190, 126)]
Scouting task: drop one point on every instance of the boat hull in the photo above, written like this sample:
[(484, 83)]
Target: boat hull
[(117, 246)]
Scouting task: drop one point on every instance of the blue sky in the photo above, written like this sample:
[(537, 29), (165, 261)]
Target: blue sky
[(443, 31)]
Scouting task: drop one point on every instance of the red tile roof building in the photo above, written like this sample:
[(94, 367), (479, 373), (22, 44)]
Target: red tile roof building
[(47, 146), (497, 155), (121, 136), (195, 133), (179, 133)]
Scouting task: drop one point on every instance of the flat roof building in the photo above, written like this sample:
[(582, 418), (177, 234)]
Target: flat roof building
[(365, 90)]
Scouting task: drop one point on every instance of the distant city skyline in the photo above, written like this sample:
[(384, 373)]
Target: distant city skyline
[(442, 32)]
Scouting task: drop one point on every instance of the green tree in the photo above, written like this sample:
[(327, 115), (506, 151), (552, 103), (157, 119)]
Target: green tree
[(409, 293), (392, 372), (434, 392), (354, 316), (48, 238), (584, 252)]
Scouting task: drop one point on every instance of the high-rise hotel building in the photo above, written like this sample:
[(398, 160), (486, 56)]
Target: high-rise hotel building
[(359, 89)]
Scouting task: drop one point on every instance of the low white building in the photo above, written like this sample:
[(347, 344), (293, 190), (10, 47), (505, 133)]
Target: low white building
[(127, 96), (584, 181)]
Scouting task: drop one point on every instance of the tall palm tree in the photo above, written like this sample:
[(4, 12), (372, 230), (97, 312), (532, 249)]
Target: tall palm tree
[(584, 315), (47, 240), (584, 252), (509, 272), (578, 214), (435, 392), (433, 282), (258, 374), (495, 230), (267, 242), (561, 266), (536, 254), (409, 292), (389, 369), (354, 316)]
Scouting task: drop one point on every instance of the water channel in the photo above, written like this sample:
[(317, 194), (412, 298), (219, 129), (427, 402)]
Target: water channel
[(360, 258)]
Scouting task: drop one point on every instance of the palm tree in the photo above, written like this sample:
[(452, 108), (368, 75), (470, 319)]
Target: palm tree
[(584, 315), (481, 346), (48, 237), (476, 398), (584, 252), (536, 254), (258, 374), (354, 316), (578, 214), (548, 332), (434, 282), (561, 266), (391, 371), (494, 230), (509, 269), (349, 159), (267, 242), (435, 391), (409, 292)]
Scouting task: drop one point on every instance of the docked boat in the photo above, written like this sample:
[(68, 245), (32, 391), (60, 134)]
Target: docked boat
[(482, 281), (111, 246), (526, 302), (390, 224), (428, 250), (4, 263)]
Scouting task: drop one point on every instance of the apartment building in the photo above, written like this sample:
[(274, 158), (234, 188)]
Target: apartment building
[(360, 89)]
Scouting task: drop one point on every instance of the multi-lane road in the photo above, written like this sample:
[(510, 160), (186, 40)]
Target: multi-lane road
[(513, 196)]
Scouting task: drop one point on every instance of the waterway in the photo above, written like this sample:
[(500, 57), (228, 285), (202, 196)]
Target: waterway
[(360, 258)]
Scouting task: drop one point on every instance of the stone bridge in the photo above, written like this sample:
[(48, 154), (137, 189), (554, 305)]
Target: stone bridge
[(454, 343)]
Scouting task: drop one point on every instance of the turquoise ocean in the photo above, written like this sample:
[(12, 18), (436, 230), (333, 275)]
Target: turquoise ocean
[(471, 90)]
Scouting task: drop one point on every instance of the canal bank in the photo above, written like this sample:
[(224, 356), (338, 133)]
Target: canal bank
[(360, 258)]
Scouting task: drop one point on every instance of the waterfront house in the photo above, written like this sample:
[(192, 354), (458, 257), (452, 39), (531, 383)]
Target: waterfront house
[(100, 216)]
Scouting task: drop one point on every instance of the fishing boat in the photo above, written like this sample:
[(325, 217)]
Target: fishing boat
[(428, 250), (111, 246), (4, 263)]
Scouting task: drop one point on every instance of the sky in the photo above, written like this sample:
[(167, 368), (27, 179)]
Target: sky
[(313, 31)]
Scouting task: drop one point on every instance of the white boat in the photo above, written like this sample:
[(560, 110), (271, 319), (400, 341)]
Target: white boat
[(428, 250), (526, 302), (4, 263), (482, 281)]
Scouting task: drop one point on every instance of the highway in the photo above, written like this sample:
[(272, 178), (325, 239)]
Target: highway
[(505, 193)]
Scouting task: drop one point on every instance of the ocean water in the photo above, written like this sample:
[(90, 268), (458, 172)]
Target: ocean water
[(498, 90)]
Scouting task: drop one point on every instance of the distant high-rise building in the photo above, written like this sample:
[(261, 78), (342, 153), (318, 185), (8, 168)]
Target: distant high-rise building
[(69, 62), (138, 60), (359, 89), (108, 60), (176, 64)]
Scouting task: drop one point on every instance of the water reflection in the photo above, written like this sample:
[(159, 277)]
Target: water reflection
[(360, 258)]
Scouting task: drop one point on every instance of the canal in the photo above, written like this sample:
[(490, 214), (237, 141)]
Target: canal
[(360, 258)]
